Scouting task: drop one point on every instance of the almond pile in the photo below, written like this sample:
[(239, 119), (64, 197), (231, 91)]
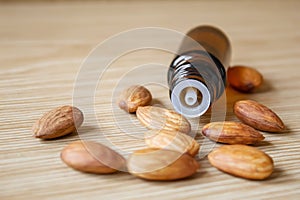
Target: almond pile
[(171, 152)]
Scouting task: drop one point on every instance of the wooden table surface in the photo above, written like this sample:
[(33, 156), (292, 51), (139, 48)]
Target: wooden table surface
[(43, 46)]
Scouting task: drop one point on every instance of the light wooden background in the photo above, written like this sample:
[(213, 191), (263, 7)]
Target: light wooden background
[(42, 46)]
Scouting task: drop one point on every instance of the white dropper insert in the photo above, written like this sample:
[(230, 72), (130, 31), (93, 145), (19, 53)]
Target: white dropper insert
[(191, 96), (185, 98)]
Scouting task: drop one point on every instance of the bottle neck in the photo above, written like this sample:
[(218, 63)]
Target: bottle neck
[(198, 76)]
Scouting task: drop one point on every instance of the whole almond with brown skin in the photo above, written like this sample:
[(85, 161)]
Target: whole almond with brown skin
[(243, 161), (133, 97), (172, 140), (161, 164), (232, 133), (244, 79), (92, 157), (58, 122), (160, 118), (258, 116)]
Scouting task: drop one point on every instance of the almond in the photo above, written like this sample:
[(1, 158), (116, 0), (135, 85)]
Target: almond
[(258, 116), (92, 157), (161, 164), (172, 140), (160, 118), (232, 133), (58, 122), (243, 161), (133, 97), (244, 79)]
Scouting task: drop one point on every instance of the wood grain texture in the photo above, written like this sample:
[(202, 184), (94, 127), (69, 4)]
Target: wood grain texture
[(42, 46)]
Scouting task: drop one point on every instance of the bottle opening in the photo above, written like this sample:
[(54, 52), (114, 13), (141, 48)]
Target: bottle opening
[(191, 98)]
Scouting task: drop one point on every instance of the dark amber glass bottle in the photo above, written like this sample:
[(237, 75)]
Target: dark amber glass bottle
[(197, 75)]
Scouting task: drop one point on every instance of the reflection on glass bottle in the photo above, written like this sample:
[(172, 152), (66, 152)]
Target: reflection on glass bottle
[(197, 76)]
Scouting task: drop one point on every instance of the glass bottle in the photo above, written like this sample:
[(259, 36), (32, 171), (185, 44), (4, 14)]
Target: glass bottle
[(197, 75)]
